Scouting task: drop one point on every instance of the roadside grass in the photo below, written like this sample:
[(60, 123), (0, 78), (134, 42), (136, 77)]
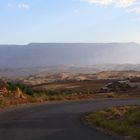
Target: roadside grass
[(122, 120), (43, 97), (1, 103), (57, 91)]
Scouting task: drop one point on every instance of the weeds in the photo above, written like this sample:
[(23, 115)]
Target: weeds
[(122, 120)]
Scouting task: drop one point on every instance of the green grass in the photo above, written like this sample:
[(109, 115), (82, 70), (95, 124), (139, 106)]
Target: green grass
[(122, 120)]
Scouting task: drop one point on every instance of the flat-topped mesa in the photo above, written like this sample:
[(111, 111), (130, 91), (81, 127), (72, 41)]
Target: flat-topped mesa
[(56, 54)]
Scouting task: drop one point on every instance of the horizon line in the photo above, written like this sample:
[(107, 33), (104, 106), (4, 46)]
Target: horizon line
[(24, 44)]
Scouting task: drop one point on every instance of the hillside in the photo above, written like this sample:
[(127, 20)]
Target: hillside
[(58, 54), (14, 73), (43, 78)]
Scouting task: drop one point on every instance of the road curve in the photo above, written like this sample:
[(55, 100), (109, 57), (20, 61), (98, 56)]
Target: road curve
[(54, 121)]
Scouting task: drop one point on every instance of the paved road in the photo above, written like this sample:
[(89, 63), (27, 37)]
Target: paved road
[(54, 121)]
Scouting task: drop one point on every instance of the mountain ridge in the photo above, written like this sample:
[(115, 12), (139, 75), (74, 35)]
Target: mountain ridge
[(57, 54)]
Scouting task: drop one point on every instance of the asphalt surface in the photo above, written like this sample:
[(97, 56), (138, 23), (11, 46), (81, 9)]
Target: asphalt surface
[(54, 121)]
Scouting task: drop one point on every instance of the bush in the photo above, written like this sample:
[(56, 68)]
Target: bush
[(24, 88)]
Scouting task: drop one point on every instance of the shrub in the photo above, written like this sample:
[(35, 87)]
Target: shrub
[(24, 88)]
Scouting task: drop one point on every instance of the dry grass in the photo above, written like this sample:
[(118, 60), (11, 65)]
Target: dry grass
[(122, 120), (70, 87)]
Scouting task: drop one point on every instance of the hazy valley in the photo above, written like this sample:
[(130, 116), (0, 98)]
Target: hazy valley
[(69, 69), (40, 72)]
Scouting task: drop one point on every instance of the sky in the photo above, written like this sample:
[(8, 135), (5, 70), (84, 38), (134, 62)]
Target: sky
[(26, 21)]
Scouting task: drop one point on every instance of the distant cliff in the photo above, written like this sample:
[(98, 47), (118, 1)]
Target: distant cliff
[(56, 54)]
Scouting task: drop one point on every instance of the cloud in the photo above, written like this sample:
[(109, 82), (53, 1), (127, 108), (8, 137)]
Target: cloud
[(130, 6), (100, 2), (135, 10), (117, 3), (19, 6), (124, 3), (23, 6)]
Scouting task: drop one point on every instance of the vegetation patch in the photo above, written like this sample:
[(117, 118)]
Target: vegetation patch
[(16, 92), (124, 120), (13, 86)]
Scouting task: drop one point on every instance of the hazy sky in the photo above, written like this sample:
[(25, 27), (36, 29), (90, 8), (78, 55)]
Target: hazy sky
[(25, 21)]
